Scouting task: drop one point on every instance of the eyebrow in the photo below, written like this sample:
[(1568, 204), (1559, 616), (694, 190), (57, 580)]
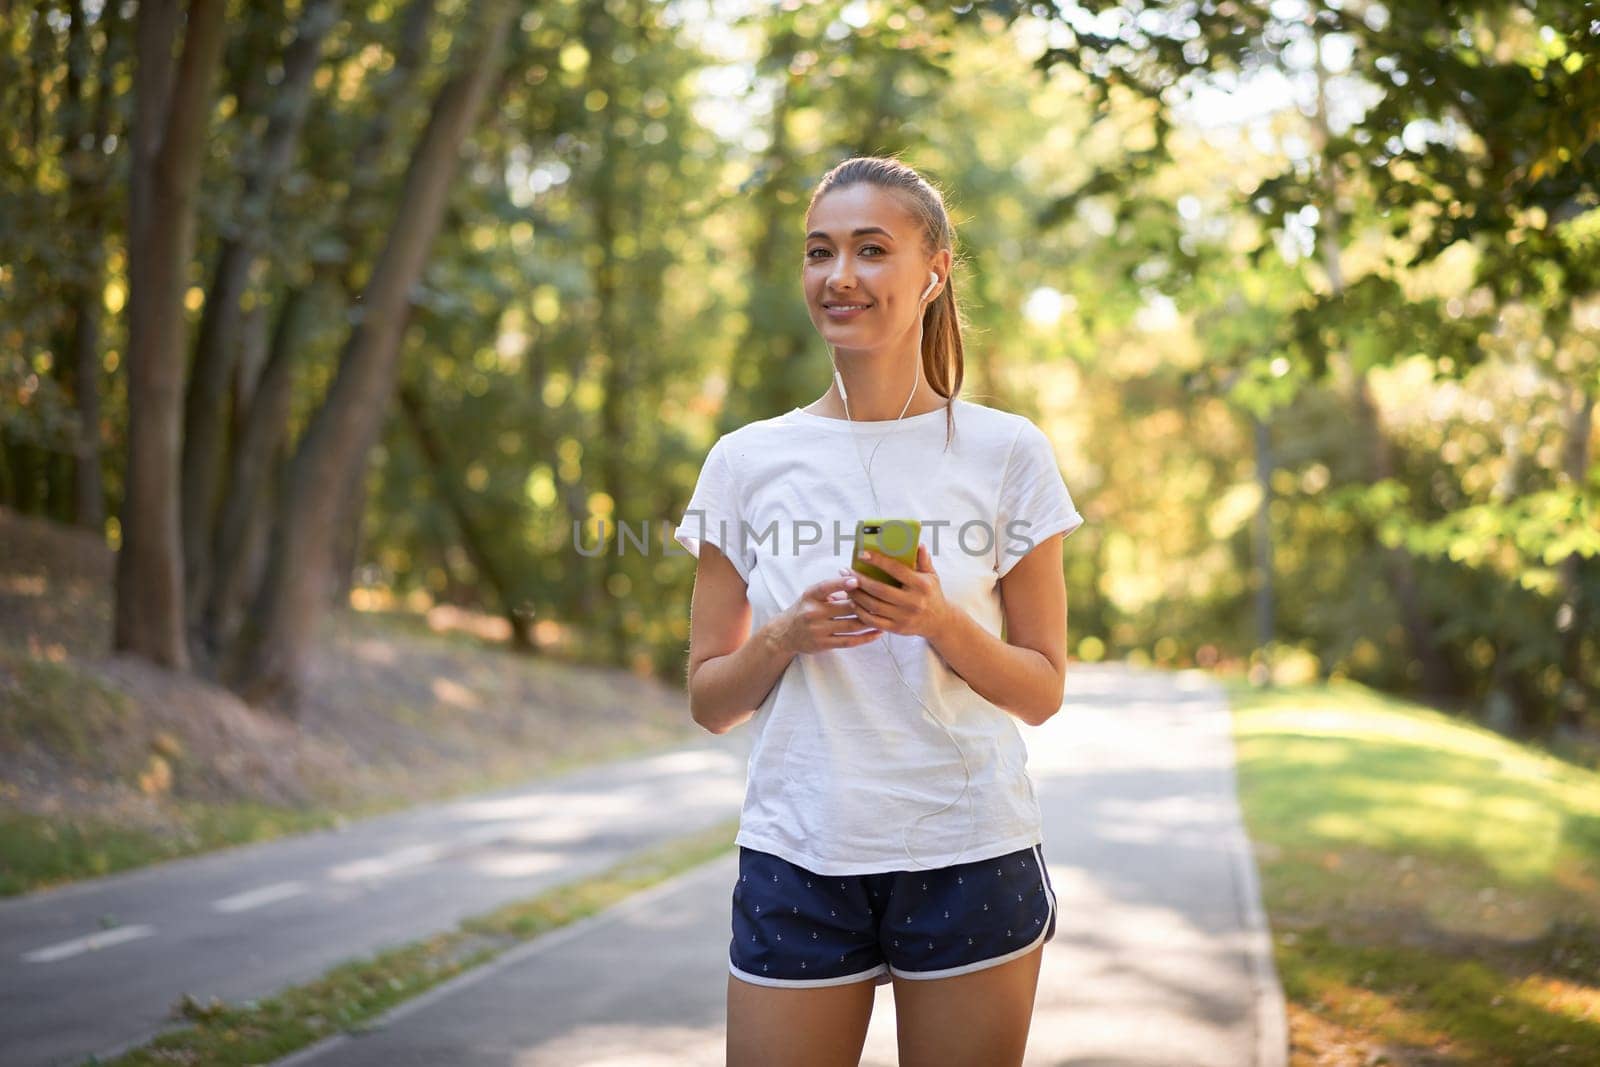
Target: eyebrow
[(853, 233)]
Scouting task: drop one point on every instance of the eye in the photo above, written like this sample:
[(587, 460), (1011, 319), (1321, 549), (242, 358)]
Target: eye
[(812, 253)]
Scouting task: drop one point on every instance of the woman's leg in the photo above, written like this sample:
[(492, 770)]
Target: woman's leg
[(979, 1019), (825, 1026)]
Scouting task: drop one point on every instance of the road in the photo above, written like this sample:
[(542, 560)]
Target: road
[(1161, 954), (96, 966), (1161, 958)]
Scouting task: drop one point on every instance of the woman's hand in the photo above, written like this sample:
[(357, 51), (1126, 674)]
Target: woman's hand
[(918, 607), (823, 619)]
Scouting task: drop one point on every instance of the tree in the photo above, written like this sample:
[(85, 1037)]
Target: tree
[(1478, 125), (173, 107), (293, 590), (218, 342)]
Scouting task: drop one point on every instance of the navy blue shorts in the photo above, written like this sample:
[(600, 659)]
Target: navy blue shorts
[(792, 927)]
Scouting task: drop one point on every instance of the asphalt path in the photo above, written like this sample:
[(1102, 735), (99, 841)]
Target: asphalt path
[(94, 967), (1162, 956)]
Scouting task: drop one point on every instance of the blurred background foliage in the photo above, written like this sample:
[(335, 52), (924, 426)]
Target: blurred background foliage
[(1303, 292)]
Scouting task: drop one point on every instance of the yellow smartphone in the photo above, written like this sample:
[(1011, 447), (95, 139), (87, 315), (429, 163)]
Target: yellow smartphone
[(896, 538)]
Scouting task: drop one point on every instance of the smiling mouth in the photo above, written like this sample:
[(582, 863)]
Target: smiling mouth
[(846, 307)]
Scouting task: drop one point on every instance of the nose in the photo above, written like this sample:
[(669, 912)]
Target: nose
[(842, 275)]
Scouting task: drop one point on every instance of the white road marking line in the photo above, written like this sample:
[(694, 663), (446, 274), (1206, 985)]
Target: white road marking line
[(389, 863), (88, 943), (255, 898)]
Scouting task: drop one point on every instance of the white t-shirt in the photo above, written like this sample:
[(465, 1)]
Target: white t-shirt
[(844, 759)]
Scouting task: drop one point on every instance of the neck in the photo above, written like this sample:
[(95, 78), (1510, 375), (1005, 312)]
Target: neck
[(878, 389)]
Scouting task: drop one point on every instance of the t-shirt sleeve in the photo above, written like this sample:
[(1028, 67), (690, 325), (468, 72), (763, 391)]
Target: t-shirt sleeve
[(1034, 500), (713, 512)]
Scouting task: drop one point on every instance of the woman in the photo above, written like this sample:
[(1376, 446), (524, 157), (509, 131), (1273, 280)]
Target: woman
[(889, 831)]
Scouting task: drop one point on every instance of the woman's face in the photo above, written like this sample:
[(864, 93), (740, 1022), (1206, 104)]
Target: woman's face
[(864, 248)]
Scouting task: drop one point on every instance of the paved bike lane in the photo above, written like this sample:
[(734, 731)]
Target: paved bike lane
[(1162, 955)]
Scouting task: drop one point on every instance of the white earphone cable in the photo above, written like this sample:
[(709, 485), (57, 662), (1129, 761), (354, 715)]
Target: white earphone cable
[(867, 470)]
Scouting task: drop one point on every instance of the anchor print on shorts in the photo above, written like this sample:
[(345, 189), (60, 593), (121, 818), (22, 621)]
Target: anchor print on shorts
[(857, 930)]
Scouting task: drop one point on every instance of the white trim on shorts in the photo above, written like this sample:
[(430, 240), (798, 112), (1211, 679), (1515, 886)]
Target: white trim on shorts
[(807, 983), (950, 972)]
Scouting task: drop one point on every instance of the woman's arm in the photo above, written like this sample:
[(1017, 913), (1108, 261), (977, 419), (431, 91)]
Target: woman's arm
[(1026, 673), (730, 671)]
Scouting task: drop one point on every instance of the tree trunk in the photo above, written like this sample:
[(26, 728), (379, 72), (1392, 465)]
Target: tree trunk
[(294, 589), (89, 175), (395, 90), (473, 538), (245, 517), (217, 346), (171, 115), (1266, 628), (570, 494), (1574, 615), (60, 459), (348, 537), (27, 485), (616, 392), (89, 503), (247, 505), (1423, 641)]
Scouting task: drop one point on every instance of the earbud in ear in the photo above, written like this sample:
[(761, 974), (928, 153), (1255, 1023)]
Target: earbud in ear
[(935, 276)]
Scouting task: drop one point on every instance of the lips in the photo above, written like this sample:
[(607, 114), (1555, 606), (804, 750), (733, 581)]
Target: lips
[(842, 313)]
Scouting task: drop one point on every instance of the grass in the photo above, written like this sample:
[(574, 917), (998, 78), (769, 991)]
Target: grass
[(1433, 887), (56, 705), (100, 780), (39, 851), (358, 992)]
